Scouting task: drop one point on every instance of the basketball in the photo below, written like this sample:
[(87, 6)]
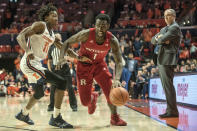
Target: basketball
[(118, 96)]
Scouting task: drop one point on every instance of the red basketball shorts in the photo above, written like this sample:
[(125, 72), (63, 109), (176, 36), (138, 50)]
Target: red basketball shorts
[(85, 75)]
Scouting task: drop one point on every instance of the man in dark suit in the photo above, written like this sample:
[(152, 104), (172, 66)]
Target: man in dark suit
[(168, 41)]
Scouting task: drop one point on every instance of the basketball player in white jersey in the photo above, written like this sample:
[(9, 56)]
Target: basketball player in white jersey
[(36, 40)]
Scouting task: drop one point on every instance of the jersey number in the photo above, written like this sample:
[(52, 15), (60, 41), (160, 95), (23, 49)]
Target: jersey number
[(36, 76), (95, 56), (46, 47)]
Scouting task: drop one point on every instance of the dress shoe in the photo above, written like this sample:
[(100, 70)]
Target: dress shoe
[(168, 115), (74, 109), (50, 108)]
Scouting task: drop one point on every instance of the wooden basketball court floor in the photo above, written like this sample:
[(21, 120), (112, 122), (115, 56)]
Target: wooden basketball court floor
[(82, 121)]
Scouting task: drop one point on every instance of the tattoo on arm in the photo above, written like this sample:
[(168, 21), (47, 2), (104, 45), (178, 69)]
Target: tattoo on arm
[(81, 36), (117, 57)]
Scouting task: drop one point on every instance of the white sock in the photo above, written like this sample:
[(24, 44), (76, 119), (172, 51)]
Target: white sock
[(56, 112), (25, 111)]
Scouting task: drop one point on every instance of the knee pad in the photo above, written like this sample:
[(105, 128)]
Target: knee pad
[(38, 91)]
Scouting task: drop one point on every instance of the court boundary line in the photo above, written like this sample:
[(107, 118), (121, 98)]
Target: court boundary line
[(153, 118), (18, 128)]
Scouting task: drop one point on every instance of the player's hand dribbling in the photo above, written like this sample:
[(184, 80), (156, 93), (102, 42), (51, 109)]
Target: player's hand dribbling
[(116, 83)]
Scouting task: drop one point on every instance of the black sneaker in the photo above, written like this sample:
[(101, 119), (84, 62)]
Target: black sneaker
[(50, 108), (59, 122), (74, 109), (24, 118)]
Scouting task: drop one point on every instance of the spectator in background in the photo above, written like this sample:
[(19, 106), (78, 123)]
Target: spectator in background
[(193, 51), (138, 7), (177, 69), (193, 68), (153, 72), (2, 74), (137, 47), (132, 66), (187, 40), (127, 48), (61, 17), (3, 90), (145, 87), (188, 35), (184, 54), (157, 13), (182, 66), (140, 81), (150, 13)]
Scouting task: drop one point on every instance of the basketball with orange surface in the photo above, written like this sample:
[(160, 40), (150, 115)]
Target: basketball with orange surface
[(118, 96)]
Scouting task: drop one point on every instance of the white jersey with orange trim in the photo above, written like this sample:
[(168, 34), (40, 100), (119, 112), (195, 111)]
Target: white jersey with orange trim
[(39, 45)]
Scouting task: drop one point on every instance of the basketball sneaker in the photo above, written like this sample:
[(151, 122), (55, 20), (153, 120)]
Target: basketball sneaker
[(24, 118), (115, 120), (59, 122), (92, 105)]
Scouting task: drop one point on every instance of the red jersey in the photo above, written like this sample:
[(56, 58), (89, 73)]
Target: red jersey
[(94, 51)]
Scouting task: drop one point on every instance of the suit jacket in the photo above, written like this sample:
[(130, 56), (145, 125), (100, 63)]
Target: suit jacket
[(168, 53)]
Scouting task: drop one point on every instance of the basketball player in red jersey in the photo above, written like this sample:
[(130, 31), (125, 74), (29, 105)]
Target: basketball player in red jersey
[(95, 44)]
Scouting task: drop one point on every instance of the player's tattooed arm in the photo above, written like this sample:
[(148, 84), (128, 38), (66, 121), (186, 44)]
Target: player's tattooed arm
[(81, 36), (35, 28), (117, 57)]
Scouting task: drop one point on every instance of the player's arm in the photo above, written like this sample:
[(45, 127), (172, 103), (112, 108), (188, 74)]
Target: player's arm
[(35, 28), (69, 51), (58, 41), (50, 59), (117, 57), (81, 36), (49, 63)]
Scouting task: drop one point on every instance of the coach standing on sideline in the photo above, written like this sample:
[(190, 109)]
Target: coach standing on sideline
[(168, 40), (64, 71)]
